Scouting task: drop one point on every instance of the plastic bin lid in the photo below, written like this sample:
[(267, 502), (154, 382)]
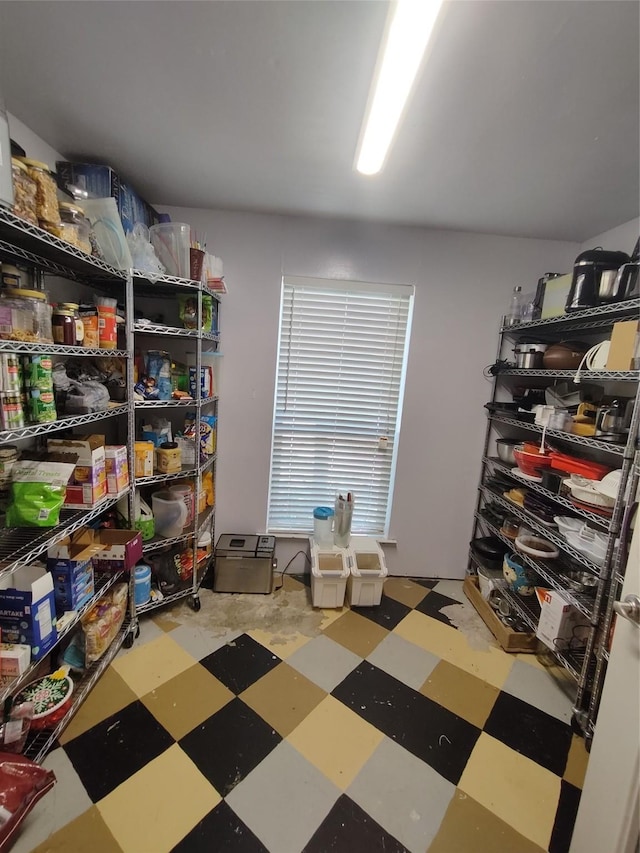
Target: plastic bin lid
[(323, 512)]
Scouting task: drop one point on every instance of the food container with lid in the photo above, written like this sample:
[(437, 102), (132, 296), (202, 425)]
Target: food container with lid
[(51, 696), (25, 315), (64, 326), (24, 192), (46, 194), (75, 226)]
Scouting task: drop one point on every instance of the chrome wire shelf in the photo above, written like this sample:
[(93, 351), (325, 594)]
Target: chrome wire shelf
[(546, 532), (173, 331), (102, 583), (592, 517), (583, 603), (583, 441), (144, 285), (27, 243), (174, 404), (168, 599), (60, 349), (39, 743), (528, 610), (186, 471), (60, 424), (21, 545), (590, 318), (585, 375)]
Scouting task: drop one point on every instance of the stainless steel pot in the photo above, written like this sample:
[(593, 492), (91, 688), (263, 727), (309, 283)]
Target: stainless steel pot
[(504, 448), (529, 355)]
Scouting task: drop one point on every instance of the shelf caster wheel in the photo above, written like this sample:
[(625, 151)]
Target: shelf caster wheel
[(137, 634), (128, 640), (194, 603)]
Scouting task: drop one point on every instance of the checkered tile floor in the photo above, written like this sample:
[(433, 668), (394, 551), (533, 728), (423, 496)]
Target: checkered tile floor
[(381, 729)]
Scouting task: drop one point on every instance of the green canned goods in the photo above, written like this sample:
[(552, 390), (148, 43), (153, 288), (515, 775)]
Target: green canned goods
[(38, 372), (43, 406)]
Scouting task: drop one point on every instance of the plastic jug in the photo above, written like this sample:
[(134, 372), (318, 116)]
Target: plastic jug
[(142, 575), (323, 526), (170, 513), (185, 494)]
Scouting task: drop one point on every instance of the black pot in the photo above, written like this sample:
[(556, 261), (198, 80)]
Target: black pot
[(594, 279), (490, 551)]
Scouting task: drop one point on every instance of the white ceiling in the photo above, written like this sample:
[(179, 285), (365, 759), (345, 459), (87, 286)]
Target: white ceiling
[(525, 120)]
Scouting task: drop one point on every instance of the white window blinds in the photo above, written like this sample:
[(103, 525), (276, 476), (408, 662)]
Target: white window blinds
[(340, 378)]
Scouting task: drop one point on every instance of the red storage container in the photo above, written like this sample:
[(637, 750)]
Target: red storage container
[(574, 465)]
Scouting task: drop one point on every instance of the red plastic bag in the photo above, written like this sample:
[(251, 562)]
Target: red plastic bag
[(22, 784)]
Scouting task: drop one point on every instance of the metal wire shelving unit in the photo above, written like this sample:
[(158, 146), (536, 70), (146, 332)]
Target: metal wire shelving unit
[(587, 665), (167, 286)]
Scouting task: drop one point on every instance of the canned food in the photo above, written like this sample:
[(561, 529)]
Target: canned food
[(38, 372), (11, 410), (43, 406), (10, 372)]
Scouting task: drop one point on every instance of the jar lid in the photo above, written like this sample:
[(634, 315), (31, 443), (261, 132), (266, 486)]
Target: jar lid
[(169, 445), (19, 164), (62, 312), (74, 208), (35, 164), (323, 512), (25, 294), (72, 306)]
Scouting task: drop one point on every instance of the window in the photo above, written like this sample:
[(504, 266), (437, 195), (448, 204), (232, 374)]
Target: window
[(340, 379)]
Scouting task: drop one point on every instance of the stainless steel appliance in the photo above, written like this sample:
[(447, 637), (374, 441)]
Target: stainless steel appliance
[(244, 563), (529, 355), (594, 279), (627, 285), (611, 420), (6, 183)]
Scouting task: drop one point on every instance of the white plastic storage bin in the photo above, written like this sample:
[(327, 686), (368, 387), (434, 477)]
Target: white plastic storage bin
[(330, 569), (368, 572)]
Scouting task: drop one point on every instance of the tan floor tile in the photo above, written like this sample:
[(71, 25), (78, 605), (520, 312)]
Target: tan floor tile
[(166, 622), (464, 694), (486, 662), (577, 762), (336, 740), (290, 584), (110, 695), (89, 831), (187, 700), (330, 615), (516, 789), (405, 591), (283, 697), (150, 666), (356, 633), (157, 806), (468, 827), (282, 645)]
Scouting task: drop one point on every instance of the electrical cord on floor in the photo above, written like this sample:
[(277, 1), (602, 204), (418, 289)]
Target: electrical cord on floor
[(283, 572)]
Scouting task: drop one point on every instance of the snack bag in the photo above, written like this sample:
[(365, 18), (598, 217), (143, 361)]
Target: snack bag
[(37, 493)]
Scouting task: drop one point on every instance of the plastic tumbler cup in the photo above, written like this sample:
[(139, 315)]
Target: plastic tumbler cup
[(323, 526), (342, 521)]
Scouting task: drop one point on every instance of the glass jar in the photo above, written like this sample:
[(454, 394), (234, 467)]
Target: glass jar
[(25, 315), (75, 310), (75, 226), (46, 194), (24, 192), (64, 327)]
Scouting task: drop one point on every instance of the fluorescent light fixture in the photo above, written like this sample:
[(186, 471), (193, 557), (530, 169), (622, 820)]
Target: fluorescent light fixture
[(407, 36)]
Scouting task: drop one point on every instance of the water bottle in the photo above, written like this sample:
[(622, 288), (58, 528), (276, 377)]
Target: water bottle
[(514, 315)]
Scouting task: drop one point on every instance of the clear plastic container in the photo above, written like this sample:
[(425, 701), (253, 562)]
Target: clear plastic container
[(75, 226), (172, 242), (24, 192), (25, 315), (46, 193)]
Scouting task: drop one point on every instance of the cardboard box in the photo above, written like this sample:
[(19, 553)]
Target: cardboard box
[(88, 486), (27, 610), (14, 660), (89, 449), (556, 291), (72, 555), (624, 343), (561, 625), (118, 550), (117, 468), (510, 640)]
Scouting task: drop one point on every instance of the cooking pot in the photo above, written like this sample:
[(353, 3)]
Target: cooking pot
[(594, 279), (490, 550), (504, 447), (529, 355), (565, 355)]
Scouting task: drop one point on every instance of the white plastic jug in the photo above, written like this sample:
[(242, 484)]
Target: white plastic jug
[(170, 513)]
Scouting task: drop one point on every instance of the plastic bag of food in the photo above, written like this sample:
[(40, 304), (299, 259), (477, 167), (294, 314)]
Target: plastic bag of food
[(143, 255), (37, 492), (103, 622), (15, 722), (22, 784)]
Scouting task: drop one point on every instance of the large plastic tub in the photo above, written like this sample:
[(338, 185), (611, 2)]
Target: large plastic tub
[(330, 568), (368, 573)]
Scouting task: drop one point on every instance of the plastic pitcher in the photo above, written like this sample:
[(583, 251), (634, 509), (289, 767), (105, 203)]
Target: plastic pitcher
[(170, 514), (172, 242), (323, 526)]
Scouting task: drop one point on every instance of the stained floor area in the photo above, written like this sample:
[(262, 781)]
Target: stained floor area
[(262, 724)]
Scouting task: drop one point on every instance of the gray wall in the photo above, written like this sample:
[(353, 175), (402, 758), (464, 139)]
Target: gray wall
[(463, 283)]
